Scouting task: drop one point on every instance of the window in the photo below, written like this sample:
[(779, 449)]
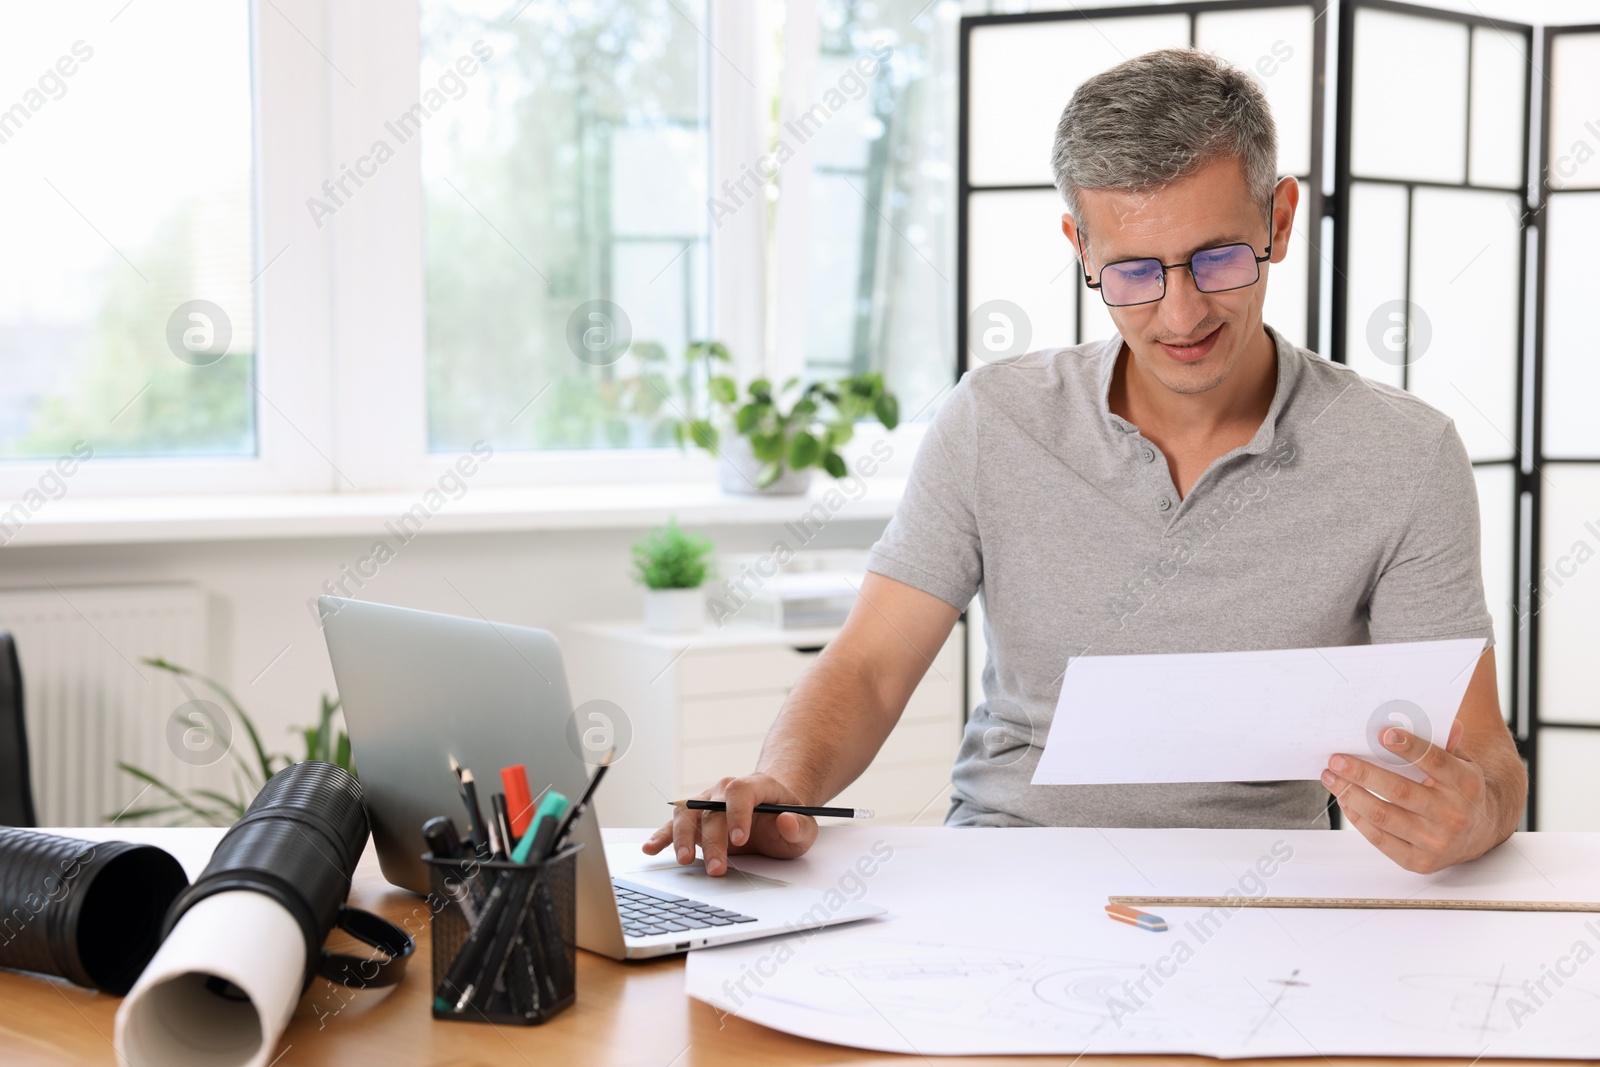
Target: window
[(879, 279), (1434, 250), (1562, 597), (565, 226), (127, 310)]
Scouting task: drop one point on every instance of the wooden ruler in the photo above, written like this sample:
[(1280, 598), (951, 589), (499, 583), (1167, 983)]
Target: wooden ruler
[(1407, 903)]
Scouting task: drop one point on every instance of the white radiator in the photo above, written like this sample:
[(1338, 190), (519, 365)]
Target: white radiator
[(91, 700)]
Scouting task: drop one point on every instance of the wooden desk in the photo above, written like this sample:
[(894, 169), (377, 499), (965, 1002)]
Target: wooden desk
[(626, 1014)]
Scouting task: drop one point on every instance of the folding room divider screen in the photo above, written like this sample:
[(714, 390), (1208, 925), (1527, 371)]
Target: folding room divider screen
[(1440, 252)]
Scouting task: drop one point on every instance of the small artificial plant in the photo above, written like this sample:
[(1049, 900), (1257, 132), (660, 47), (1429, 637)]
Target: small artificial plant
[(250, 771), (669, 558), (789, 428)]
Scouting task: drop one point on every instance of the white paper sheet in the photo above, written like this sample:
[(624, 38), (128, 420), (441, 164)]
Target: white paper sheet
[(1249, 716), (998, 943)]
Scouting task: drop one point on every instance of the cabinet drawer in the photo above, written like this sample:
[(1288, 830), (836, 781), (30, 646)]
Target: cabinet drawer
[(914, 745), (897, 794), (712, 671), (702, 764), (933, 741), (938, 695), (729, 718), (725, 718)]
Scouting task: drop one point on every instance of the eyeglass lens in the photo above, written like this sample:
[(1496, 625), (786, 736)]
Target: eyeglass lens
[(1215, 270)]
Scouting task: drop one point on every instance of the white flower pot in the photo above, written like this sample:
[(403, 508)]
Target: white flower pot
[(738, 469), (674, 611)]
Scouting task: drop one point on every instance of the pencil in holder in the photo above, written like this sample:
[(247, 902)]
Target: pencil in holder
[(504, 938)]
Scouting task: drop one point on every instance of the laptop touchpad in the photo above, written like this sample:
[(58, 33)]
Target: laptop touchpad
[(691, 879)]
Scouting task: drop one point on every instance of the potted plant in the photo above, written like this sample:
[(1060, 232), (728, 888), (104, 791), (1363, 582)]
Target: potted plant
[(324, 741), (672, 565), (780, 434)]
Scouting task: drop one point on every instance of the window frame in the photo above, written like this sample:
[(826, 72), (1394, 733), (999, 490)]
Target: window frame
[(340, 400), (293, 409)]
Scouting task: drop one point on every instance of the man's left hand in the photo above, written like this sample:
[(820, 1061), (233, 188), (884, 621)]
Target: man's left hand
[(1427, 826)]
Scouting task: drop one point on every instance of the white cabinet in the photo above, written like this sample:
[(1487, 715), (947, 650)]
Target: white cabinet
[(696, 707)]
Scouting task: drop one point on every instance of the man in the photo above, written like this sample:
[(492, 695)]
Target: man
[(1195, 484)]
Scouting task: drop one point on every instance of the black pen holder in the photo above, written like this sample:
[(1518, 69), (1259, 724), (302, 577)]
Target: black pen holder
[(522, 964)]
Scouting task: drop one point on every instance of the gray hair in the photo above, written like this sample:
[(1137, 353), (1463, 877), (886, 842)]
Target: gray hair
[(1159, 117)]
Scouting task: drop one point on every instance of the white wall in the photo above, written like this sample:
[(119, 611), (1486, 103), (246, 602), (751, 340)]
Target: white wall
[(258, 591)]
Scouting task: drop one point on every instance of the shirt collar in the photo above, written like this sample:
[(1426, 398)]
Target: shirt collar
[(1289, 370)]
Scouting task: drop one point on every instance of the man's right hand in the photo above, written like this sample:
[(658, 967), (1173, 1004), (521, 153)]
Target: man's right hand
[(720, 834)]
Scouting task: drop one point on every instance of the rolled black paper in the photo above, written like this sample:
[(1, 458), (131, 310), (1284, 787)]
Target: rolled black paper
[(87, 911), (299, 843)]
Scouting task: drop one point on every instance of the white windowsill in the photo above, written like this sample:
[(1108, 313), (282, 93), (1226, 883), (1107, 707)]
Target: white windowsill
[(125, 520)]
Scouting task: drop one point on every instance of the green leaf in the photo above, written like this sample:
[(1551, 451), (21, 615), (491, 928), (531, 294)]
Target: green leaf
[(745, 419), (803, 409), (648, 352), (341, 754), (803, 451), (761, 389), (182, 801), (325, 730), (719, 351), (233, 809), (887, 408), (669, 558), (768, 474), (789, 384), (264, 758), (833, 463), (768, 447), (723, 390), (704, 434)]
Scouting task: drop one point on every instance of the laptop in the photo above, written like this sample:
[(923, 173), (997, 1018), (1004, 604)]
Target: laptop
[(418, 688)]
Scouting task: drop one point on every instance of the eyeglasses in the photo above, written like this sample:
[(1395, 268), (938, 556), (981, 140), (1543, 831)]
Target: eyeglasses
[(1144, 281)]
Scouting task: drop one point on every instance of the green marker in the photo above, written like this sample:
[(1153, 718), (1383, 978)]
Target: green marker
[(551, 809)]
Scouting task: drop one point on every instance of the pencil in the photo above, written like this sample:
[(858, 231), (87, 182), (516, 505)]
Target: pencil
[(778, 809)]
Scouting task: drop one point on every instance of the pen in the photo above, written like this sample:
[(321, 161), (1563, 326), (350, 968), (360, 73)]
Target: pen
[(502, 823), (439, 834), (470, 955), (469, 796), (495, 851), (778, 809), (565, 828), (490, 967)]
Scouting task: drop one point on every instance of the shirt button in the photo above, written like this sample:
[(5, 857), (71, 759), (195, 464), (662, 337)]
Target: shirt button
[(1149, 455), (1163, 504)]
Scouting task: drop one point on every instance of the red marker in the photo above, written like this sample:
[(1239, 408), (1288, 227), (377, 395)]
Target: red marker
[(519, 799)]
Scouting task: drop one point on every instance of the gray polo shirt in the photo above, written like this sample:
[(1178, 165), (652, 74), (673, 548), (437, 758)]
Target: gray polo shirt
[(1351, 517)]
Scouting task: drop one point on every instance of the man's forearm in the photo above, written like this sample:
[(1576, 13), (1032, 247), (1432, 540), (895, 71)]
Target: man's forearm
[(1505, 781), (830, 728)]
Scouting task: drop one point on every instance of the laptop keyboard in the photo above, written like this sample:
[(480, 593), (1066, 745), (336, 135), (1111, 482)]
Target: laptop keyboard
[(648, 911)]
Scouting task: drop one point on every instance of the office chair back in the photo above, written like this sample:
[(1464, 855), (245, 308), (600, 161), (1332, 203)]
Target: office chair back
[(16, 787)]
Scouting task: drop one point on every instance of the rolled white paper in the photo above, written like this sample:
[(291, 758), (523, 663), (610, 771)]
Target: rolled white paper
[(170, 1018)]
